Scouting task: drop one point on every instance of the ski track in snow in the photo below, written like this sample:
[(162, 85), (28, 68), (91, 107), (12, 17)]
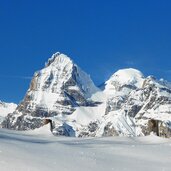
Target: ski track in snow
[(40, 150)]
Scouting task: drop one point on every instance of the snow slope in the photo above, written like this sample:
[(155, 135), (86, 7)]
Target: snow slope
[(6, 108), (38, 150)]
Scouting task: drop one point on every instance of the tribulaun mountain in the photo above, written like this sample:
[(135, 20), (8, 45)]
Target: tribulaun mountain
[(129, 104)]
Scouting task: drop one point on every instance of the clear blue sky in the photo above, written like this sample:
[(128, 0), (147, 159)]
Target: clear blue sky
[(101, 36)]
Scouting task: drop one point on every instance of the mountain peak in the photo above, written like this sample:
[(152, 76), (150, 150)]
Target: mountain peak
[(127, 73), (55, 90), (58, 58), (128, 76)]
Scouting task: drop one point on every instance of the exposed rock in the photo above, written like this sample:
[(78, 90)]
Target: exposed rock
[(109, 130)]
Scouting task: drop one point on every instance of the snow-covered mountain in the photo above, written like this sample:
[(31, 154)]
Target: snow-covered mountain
[(6, 108), (55, 90), (136, 105), (130, 104)]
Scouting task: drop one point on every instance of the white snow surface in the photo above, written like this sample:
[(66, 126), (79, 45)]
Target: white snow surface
[(6, 108), (39, 150), (128, 76)]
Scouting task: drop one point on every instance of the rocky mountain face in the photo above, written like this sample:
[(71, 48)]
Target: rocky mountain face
[(55, 90), (6, 108), (64, 96), (138, 105)]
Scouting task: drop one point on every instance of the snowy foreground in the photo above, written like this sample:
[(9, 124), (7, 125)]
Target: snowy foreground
[(40, 151)]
